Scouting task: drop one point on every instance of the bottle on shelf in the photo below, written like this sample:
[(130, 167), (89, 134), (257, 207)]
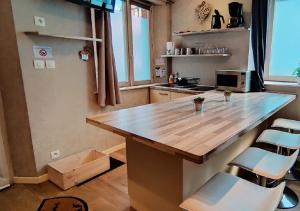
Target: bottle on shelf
[(171, 79)]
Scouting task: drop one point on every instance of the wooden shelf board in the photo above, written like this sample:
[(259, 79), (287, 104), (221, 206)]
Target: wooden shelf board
[(212, 31), (63, 36), (197, 55)]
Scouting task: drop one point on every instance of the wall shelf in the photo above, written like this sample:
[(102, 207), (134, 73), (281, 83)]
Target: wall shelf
[(90, 39), (197, 55), (212, 31)]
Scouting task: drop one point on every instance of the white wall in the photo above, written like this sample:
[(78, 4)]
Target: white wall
[(184, 18), (292, 111), (59, 100)]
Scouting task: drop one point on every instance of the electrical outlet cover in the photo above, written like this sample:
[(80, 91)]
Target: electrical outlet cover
[(39, 21), (55, 154), (39, 64), (50, 64)]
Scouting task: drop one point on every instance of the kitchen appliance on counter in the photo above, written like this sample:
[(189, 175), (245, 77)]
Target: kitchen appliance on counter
[(194, 88), (186, 82), (236, 15), (234, 80), (216, 21)]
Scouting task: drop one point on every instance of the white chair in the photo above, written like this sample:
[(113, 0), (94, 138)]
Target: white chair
[(292, 126), (225, 192), (269, 165), (283, 140), (264, 163)]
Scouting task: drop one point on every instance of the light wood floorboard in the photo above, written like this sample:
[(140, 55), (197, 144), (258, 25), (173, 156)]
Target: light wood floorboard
[(105, 193)]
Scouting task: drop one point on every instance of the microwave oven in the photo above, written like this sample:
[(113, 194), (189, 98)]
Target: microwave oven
[(234, 80)]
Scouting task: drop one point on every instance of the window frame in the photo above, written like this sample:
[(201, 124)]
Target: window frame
[(267, 73), (129, 44)]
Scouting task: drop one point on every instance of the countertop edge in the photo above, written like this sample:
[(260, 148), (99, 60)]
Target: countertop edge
[(188, 156)]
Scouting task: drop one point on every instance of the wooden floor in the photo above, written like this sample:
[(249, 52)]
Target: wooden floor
[(105, 193)]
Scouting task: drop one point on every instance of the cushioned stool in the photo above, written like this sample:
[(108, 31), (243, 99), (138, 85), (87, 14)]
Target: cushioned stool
[(230, 193), (290, 125), (267, 165), (288, 141), (280, 139)]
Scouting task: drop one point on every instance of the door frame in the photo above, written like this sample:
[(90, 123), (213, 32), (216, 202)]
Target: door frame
[(5, 162)]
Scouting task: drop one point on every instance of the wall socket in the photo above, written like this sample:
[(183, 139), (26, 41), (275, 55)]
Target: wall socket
[(39, 21), (39, 64), (55, 154)]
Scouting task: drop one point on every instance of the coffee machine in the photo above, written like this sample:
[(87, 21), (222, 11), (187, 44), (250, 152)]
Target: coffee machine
[(236, 15)]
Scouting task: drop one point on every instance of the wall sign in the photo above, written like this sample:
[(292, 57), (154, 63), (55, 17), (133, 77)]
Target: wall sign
[(202, 11), (42, 52)]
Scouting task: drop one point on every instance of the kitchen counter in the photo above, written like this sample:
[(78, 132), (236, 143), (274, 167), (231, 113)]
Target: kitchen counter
[(175, 126), (173, 150)]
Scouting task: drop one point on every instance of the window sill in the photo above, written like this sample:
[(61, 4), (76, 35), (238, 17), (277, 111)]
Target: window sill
[(280, 83), (137, 87)]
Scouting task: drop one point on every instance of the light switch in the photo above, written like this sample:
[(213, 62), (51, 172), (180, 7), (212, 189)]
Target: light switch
[(39, 21), (50, 64), (39, 64)]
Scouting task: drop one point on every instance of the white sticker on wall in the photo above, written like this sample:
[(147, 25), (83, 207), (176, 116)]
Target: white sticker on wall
[(42, 52), (159, 62)]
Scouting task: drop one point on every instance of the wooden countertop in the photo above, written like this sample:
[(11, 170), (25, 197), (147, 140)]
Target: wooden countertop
[(176, 128)]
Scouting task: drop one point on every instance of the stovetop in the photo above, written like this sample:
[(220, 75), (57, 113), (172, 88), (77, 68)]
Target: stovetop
[(192, 87)]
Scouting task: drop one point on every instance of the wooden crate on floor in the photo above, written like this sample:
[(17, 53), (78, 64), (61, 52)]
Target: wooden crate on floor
[(77, 168)]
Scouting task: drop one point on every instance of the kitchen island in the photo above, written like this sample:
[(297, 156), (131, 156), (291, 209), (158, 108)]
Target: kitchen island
[(173, 150)]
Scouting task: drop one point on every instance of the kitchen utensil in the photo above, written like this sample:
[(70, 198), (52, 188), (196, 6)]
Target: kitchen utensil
[(177, 51), (189, 51), (170, 46), (184, 81), (183, 51), (216, 20)]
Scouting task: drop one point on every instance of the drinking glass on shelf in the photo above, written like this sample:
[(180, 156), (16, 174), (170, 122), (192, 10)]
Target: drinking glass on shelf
[(201, 48), (177, 51), (225, 50)]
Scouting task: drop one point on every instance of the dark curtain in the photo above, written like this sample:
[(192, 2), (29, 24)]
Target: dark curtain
[(259, 40), (108, 88)]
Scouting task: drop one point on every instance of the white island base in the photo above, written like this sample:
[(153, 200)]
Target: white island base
[(160, 181)]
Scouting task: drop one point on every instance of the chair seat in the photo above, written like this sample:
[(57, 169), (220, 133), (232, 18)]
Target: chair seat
[(287, 123), (265, 163), (230, 193), (279, 138)]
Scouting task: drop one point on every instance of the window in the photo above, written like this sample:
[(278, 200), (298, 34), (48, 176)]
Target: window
[(131, 36), (119, 40), (283, 38), (140, 41)]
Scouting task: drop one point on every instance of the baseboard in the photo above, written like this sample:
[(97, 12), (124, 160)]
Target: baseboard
[(44, 177), (114, 149), (30, 180)]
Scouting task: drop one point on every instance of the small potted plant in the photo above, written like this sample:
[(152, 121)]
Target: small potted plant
[(297, 74), (199, 103), (227, 95)]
